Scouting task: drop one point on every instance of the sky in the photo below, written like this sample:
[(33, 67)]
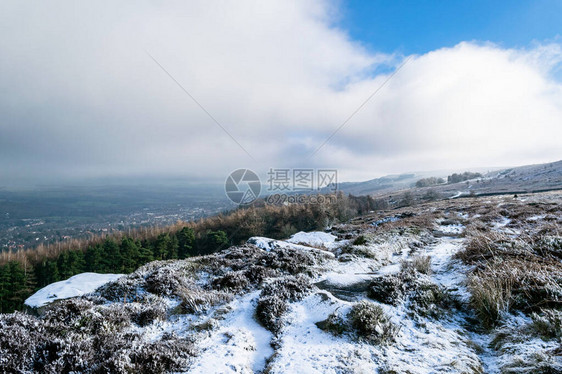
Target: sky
[(196, 89)]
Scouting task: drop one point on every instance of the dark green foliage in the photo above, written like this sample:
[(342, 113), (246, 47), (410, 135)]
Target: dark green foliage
[(70, 263), (130, 254), (166, 247), (14, 286), (212, 241), (389, 289), (186, 241), (360, 240), (218, 239)]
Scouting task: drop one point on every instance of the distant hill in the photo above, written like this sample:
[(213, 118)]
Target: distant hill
[(522, 179)]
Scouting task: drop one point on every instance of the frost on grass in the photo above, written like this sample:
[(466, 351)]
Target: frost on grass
[(421, 264), (548, 323)]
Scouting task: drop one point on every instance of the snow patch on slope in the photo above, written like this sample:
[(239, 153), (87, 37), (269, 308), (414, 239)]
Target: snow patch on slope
[(239, 345), (77, 285)]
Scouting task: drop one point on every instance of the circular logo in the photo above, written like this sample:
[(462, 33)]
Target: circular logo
[(242, 186)]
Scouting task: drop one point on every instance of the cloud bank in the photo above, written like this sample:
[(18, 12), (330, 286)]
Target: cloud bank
[(80, 97)]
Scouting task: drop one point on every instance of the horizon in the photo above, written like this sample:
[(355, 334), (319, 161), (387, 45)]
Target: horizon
[(148, 181)]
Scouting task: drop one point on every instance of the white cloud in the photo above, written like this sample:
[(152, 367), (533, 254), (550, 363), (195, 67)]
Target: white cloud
[(80, 97)]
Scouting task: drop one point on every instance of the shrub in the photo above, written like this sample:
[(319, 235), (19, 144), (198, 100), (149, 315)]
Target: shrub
[(430, 300), (123, 289), (234, 281), (549, 245), (269, 311), (147, 314), (334, 324), (170, 354), (293, 261), (19, 335), (164, 281), (360, 240), (238, 281), (274, 299), (289, 288), (371, 324), (389, 289)]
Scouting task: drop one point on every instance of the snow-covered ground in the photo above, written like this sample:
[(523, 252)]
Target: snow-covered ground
[(229, 339), (77, 285)]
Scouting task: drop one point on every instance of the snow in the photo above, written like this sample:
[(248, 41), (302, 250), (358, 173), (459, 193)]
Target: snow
[(238, 345), (268, 244), (235, 342), (458, 194), (419, 347), (314, 239), (77, 285), (385, 220), (455, 229)]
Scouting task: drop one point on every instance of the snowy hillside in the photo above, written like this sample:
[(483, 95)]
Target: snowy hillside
[(425, 289)]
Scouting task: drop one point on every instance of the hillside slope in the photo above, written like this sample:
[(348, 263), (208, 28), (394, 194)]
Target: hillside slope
[(458, 286), (522, 179)]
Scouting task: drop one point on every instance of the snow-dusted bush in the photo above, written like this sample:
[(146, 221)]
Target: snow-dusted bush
[(276, 295), (294, 261), (145, 314), (360, 240), (371, 323), (388, 289), (269, 311), (19, 335), (424, 297), (357, 250), (289, 288), (166, 355), (65, 313), (124, 289), (68, 355), (334, 324), (165, 281), (234, 281), (428, 299)]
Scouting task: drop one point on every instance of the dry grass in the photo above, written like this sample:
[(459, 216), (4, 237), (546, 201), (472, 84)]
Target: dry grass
[(490, 297), (421, 264)]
